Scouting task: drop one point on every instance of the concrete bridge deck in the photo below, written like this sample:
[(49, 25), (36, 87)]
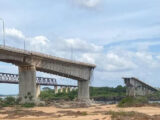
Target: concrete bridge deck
[(29, 61), (47, 63)]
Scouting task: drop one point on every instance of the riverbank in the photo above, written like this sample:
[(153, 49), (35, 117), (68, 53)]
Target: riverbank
[(66, 111)]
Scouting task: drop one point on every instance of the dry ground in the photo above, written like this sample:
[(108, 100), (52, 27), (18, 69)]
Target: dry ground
[(65, 112)]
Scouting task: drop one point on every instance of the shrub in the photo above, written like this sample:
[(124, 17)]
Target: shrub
[(133, 102), (49, 95), (8, 101), (120, 113), (28, 105)]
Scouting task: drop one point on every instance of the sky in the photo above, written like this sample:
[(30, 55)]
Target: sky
[(121, 37)]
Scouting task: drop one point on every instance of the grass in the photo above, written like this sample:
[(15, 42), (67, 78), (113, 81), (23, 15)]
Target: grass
[(9, 101), (28, 105), (12, 101), (84, 113), (121, 115), (133, 102)]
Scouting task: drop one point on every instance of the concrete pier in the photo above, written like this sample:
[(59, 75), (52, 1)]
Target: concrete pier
[(66, 89), (38, 90), (61, 89), (55, 89), (27, 84), (83, 90), (70, 89)]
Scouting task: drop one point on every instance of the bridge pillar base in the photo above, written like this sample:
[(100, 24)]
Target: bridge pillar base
[(27, 84), (83, 90)]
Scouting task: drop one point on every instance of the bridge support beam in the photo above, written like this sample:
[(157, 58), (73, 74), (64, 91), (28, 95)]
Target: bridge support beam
[(83, 90), (27, 84)]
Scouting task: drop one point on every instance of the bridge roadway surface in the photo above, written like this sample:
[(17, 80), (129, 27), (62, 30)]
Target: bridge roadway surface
[(14, 79)]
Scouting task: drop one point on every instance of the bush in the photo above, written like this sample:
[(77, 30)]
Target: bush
[(28, 105), (155, 96), (133, 102), (8, 101), (120, 113), (49, 95)]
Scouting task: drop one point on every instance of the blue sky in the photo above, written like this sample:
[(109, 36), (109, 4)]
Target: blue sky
[(121, 37)]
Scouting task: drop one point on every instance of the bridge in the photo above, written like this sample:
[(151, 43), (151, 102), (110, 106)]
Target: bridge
[(29, 62), (136, 87)]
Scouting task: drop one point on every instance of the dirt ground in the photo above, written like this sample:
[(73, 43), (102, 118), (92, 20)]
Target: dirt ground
[(95, 112)]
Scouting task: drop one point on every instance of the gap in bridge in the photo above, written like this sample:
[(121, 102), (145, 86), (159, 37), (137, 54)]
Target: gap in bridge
[(60, 80), (13, 89), (5, 88)]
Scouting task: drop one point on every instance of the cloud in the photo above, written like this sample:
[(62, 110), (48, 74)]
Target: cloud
[(80, 45), (87, 3), (37, 42), (109, 62), (43, 44), (12, 32)]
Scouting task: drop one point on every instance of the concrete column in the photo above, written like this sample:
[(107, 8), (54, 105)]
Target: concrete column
[(55, 89), (27, 84), (66, 89), (61, 89), (38, 90), (70, 89), (75, 88), (83, 90)]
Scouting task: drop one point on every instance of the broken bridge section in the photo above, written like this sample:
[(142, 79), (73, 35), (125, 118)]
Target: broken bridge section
[(30, 62), (135, 87)]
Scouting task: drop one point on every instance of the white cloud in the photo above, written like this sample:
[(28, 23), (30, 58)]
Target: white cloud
[(76, 45), (40, 40), (37, 42), (109, 62), (87, 3), (81, 45), (12, 32)]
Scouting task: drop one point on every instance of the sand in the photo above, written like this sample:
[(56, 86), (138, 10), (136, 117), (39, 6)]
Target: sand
[(96, 112)]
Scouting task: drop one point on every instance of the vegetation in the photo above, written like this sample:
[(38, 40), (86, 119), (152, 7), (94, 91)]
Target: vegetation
[(121, 115), (98, 93), (155, 96), (133, 102), (9, 101), (49, 94), (28, 105), (12, 101), (103, 93)]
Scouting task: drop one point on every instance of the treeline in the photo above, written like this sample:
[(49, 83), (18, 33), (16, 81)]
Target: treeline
[(107, 93), (97, 93)]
